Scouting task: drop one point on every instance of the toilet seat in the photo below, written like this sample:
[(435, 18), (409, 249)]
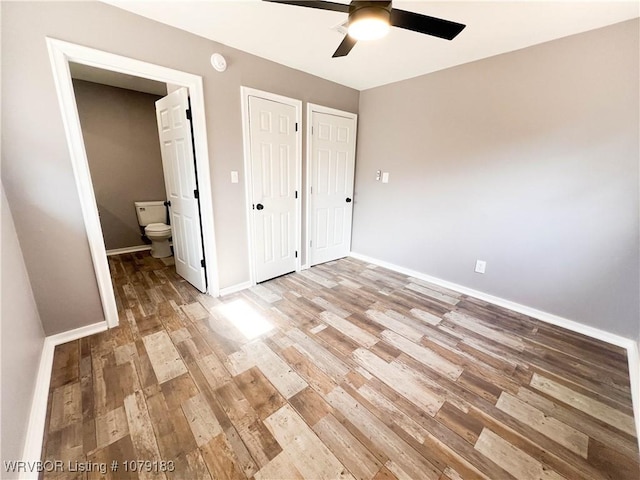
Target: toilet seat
[(157, 228)]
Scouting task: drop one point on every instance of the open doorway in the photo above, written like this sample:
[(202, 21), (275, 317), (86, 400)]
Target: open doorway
[(61, 55), (146, 190), (119, 128)]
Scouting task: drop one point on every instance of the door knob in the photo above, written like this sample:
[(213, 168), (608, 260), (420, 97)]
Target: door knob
[(259, 206), (348, 200), (167, 203)]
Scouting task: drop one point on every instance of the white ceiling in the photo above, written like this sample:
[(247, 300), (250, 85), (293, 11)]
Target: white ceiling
[(303, 38)]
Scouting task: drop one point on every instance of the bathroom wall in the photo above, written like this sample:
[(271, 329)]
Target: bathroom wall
[(121, 139)]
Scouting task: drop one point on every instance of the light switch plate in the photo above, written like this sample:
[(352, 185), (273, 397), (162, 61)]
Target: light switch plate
[(234, 176), (481, 266), (385, 177)]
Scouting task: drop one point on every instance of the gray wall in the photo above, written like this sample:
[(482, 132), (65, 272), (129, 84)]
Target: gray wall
[(527, 160), (36, 168), (22, 342), (121, 140)]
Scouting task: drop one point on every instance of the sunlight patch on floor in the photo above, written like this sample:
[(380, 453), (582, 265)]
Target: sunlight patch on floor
[(245, 318)]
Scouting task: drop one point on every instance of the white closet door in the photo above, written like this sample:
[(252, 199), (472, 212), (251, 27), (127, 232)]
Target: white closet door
[(333, 143), (274, 164)]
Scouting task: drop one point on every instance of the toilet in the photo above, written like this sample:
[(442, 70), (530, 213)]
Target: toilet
[(151, 216)]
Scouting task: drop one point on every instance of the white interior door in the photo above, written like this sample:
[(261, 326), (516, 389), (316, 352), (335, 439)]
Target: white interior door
[(178, 162), (274, 164), (333, 145)]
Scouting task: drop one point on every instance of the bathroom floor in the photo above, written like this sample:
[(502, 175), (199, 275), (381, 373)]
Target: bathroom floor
[(168, 261)]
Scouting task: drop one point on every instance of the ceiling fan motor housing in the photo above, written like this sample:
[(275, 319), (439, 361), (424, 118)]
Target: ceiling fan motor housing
[(359, 10)]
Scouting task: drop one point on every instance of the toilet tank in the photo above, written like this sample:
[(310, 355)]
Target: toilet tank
[(150, 212)]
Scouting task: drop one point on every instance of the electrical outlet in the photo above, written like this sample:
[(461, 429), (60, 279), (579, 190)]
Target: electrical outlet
[(481, 266), (378, 175), (234, 176)]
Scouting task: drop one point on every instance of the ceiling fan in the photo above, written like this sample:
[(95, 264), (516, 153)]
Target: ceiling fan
[(369, 20)]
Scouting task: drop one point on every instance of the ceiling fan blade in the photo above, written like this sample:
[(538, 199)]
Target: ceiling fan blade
[(417, 22), (345, 46), (334, 7)]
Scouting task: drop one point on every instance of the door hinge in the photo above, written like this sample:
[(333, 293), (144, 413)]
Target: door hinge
[(296, 193), (203, 263), (311, 190), (196, 194), (296, 253), (296, 126), (188, 114), (311, 243), (311, 130)]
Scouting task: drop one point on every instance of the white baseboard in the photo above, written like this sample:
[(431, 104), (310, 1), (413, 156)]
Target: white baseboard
[(631, 346), (77, 333), (35, 430), (235, 288), (119, 251), (633, 355), (501, 302)]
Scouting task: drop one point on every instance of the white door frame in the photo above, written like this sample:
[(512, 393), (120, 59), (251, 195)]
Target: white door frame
[(60, 54), (245, 93), (311, 109)]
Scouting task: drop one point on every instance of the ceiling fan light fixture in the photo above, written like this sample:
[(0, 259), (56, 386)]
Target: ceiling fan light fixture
[(369, 23)]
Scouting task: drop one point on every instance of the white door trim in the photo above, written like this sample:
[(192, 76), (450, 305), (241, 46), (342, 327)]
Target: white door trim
[(245, 93), (60, 54), (311, 109)]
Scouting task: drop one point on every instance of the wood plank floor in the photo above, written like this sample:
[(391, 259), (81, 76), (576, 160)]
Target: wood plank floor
[(355, 372)]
